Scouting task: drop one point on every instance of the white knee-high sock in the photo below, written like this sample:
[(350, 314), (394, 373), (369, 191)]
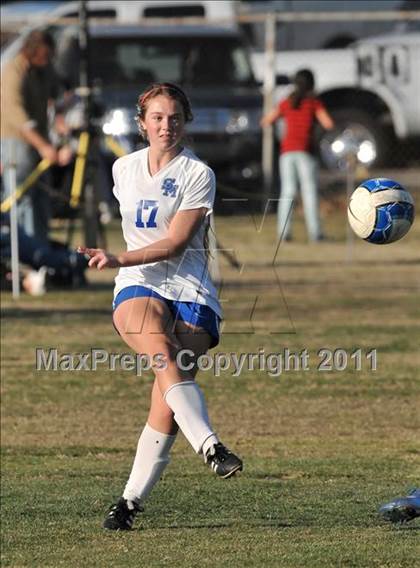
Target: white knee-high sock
[(152, 457), (186, 400)]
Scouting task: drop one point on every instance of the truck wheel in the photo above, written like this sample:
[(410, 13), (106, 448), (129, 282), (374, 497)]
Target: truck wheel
[(354, 130)]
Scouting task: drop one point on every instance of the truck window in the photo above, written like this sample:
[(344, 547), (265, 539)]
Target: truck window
[(125, 61)]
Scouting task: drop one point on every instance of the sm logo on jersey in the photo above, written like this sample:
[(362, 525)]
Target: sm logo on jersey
[(169, 188)]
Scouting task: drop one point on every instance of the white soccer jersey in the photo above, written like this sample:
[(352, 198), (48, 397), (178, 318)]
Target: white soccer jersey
[(147, 206)]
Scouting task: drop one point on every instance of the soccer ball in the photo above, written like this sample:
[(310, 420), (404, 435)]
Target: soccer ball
[(380, 211)]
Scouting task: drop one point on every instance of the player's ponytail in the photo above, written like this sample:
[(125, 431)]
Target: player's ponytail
[(304, 85)]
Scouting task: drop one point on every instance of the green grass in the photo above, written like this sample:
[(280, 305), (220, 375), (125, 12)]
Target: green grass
[(322, 449)]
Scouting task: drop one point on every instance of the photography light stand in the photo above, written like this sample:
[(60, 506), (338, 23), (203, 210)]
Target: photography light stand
[(85, 168), (14, 239)]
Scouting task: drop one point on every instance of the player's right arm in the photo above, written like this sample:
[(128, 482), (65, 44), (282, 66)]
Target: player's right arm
[(271, 117), (182, 229), (42, 146)]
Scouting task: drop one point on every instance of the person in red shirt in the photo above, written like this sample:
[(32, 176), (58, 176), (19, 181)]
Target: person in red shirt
[(298, 166)]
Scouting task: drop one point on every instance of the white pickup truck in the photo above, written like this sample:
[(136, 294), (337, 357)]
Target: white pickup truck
[(371, 88)]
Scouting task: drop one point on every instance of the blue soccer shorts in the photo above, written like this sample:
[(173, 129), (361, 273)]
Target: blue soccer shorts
[(191, 313)]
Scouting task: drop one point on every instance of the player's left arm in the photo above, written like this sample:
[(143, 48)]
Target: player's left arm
[(324, 118), (182, 229)]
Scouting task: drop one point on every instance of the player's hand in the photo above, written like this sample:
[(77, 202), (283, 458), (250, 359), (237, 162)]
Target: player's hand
[(65, 155), (48, 152), (99, 258)]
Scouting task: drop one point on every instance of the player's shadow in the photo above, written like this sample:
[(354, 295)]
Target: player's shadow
[(208, 526), (405, 527), (192, 526), (269, 477)]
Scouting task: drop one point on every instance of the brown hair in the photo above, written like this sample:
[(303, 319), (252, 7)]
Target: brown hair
[(304, 85), (168, 89), (35, 39)]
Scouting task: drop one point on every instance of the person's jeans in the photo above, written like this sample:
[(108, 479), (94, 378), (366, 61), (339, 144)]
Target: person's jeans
[(66, 264), (298, 169), (34, 206)]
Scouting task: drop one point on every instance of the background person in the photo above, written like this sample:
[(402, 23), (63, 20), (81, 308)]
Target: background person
[(50, 261), (164, 298), (28, 86), (298, 167)]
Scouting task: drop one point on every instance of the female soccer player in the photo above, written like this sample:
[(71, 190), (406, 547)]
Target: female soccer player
[(164, 299), (297, 164)]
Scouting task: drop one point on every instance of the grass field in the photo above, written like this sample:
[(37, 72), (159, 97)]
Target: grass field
[(322, 449)]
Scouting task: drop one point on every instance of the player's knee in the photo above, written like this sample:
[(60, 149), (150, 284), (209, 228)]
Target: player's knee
[(166, 348)]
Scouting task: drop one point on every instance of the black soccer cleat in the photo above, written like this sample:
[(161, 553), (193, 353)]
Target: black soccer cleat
[(120, 517), (222, 461)]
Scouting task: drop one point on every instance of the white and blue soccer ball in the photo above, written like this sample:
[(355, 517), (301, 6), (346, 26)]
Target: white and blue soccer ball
[(380, 211)]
